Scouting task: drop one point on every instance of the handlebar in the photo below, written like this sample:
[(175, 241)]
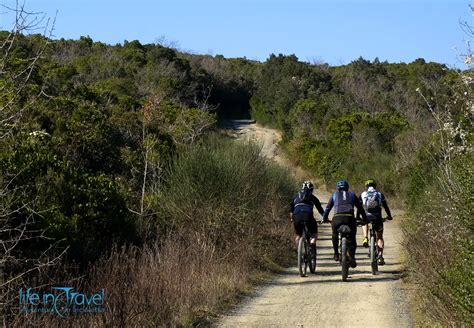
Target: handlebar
[(369, 220), (359, 222)]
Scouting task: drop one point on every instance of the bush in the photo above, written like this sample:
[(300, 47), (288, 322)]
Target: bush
[(222, 222), (224, 187), (439, 233)]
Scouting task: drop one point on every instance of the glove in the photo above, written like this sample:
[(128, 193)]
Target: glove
[(389, 218)]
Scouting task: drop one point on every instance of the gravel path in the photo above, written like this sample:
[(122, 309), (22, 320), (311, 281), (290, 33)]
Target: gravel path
[(322, 299)]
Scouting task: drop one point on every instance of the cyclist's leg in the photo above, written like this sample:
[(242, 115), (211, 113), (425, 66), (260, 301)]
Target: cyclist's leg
[(380, 242), (336, 222), (313, 229), (298, 224), (353, 225), (365, 231), (378, 226)]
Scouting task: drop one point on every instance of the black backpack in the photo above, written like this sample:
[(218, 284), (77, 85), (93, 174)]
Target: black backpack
[(304, 196)]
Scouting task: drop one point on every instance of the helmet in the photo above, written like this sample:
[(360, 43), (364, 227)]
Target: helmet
[(307, 185), (342, 185), (370, 183)]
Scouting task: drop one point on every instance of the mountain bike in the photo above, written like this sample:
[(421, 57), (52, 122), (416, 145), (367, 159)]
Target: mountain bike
[(373, 248), (306, 253), (344, 245), (344, 232)]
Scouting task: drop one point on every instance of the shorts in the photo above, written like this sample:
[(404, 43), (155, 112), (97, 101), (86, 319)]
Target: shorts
[(377, 222), (299, 220)]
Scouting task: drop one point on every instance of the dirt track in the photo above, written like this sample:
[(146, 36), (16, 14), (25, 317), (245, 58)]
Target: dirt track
[(322, 299)]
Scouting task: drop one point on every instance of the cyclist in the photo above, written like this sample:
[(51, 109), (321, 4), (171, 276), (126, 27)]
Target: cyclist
[(301, 211), (343, 202), (373, 201)]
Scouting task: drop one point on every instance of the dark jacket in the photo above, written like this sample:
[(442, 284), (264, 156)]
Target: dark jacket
[(306, 206)]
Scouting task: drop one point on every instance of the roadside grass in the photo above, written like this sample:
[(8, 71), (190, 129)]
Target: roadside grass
[(440, 248), (221, 228)]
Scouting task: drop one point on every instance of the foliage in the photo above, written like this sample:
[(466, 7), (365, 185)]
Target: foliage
[(440, 198), (104, 145)]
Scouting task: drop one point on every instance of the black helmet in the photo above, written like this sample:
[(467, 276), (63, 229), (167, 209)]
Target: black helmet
[(342, 185), (307, 185)]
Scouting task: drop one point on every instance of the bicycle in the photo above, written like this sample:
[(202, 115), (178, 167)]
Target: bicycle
[(344, 246), (373, 248), (306, 253)]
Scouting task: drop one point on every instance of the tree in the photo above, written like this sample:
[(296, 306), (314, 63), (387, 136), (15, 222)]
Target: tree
[(18, 67)]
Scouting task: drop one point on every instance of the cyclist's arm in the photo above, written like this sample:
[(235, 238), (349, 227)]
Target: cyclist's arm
[(328, 209), (317, 203), (292, 208), (360, 209), (385, 206)]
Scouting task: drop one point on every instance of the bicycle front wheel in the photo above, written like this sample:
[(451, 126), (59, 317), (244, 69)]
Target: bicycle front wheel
[(302, 258)]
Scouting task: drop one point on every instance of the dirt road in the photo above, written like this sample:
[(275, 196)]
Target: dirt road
[(322, 299)]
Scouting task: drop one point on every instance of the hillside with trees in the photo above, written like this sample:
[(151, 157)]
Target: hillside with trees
[(112, 163)]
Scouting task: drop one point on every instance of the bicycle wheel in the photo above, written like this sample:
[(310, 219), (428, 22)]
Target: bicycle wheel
[(312, 258), (344, 259), (302, 251), (373, 254)]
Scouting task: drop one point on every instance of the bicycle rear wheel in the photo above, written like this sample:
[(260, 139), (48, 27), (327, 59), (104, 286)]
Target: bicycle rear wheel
[(312, 258), (302, 256), (373, 254), (344, 259)]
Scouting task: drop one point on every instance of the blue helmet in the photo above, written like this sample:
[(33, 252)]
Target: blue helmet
[(342, 185)]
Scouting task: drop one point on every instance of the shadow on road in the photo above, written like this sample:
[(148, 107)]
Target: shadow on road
[(353, 278)]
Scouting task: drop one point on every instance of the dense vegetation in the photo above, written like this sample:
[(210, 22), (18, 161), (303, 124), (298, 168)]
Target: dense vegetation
[(108, 159), (110, 162), (410, 127)]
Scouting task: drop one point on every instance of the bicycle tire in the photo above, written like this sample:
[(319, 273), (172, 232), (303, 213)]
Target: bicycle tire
[(302, 263), (344, 259), (312, 258), (373, 255)]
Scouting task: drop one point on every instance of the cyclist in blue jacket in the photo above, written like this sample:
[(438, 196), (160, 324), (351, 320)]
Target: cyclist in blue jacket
[(344, 202)]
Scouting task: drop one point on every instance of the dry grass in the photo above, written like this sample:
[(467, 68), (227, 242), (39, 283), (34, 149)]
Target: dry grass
[(225, 228), (177, 283)]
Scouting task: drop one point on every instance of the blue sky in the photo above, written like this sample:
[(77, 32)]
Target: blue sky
[(325, 30)]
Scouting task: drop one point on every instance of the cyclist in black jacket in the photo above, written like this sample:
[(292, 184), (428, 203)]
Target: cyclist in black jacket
[(344, 202), (301, 211)]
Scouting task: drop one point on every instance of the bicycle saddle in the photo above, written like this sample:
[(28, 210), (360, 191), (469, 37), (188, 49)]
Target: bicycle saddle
[(344, 229)]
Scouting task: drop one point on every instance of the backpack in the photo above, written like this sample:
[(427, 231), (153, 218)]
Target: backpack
[(304, 196), (303, 202), (372, 200)]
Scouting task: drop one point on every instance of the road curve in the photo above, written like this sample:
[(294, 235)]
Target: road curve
[(322, 299)]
